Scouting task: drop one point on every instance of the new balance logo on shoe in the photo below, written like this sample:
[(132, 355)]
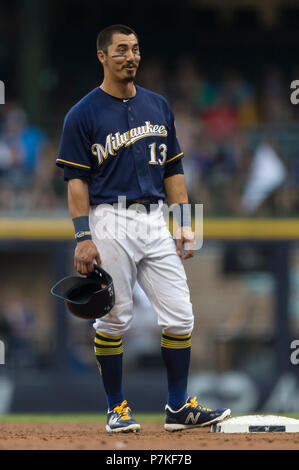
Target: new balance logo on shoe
[(192, 418), (114, 420)]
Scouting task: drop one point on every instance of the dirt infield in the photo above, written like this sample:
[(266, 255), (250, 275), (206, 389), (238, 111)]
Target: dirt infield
[(92, 436)]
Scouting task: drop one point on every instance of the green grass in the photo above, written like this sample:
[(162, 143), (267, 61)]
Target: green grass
[(100, 418), (74, 418)]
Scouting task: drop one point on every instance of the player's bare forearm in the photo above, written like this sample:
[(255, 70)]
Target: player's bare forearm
[(175, 189), (78, 198), (176, 193), (86, 251)]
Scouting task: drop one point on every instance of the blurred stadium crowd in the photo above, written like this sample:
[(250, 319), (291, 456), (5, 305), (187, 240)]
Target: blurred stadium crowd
[(240, 140)]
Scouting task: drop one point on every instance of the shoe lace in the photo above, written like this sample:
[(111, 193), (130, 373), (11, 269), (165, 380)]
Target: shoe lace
[(194, 404), (123, 410)]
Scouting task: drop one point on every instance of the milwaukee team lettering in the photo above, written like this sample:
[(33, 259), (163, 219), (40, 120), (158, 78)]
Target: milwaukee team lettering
[(118, 140)]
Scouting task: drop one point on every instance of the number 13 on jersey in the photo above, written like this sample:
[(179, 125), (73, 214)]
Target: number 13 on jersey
[(162, 151)]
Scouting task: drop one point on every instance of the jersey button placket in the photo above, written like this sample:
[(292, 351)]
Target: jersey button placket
[(132, 119), (141, 168), (130, 114)]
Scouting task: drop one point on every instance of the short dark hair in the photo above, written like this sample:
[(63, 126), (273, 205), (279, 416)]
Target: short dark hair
[(104, 38)]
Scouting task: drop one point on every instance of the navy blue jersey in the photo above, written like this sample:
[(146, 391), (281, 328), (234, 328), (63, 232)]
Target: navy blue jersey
[(123, 146)]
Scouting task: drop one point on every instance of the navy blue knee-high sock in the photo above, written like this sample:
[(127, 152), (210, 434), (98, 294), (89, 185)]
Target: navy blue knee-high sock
[(109, 354), (176, 351)]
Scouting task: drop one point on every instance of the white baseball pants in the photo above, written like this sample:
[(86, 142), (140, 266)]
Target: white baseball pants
[(135, 245)]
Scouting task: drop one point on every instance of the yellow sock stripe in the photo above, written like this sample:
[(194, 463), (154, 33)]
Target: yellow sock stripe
[(107, 336), (108, 351), (107, 343), (175, 344), (172, 341), (177, 336)]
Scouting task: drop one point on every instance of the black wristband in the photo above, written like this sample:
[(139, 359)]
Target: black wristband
[(182, 214), (81, 224), (82, 230)]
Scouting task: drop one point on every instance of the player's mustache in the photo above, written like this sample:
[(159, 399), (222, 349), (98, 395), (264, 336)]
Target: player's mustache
[(129, 64)]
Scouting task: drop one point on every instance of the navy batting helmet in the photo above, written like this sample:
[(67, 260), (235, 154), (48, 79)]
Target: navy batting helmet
[(87, 297)]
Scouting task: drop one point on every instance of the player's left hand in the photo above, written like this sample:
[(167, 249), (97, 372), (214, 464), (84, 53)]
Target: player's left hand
[(185, 240)]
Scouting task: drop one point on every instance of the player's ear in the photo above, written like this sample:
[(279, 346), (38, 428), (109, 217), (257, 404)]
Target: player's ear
[(101, 56)]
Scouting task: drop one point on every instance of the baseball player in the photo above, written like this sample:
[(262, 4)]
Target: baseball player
[(122, 160)]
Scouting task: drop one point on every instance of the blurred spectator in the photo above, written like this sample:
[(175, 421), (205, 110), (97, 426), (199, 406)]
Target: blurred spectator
[(19, 333), (27, 173), (24, 143), (239, 95), (220, 122), (187, 125), (206, 95), (267, 173)]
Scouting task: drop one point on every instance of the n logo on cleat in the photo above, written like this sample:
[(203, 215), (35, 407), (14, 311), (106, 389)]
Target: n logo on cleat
[(113, 420), (192, 418)]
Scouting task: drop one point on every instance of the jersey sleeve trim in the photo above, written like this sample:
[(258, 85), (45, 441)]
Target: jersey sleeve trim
[(72, 163), (172, 158)]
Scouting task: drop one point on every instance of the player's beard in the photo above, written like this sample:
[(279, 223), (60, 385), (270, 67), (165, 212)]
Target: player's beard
[(129, 79), (131, 74)]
